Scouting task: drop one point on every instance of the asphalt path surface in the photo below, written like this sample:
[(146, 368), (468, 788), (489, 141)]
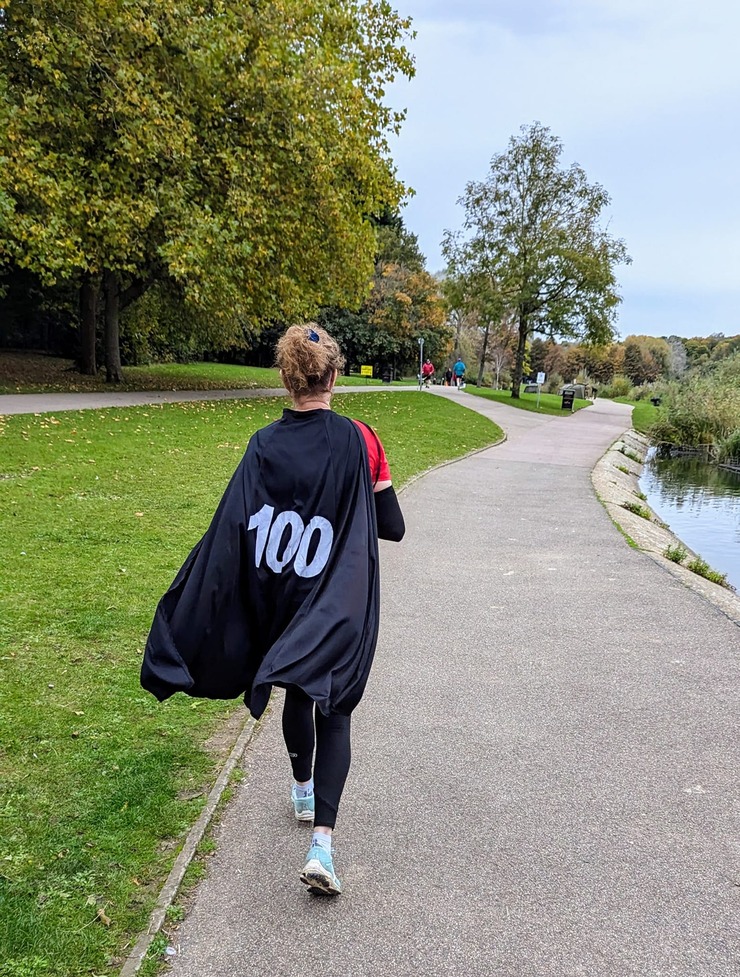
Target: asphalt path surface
[(53, 403), (545, 770)]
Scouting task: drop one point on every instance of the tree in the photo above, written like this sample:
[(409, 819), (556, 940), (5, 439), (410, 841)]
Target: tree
[(645, 358), (534, 245), (395, 243), (501, 352), (600, 364), (634, 366), (678, 360), (404, 303), (472, 292), (233, 149), (537, 355)]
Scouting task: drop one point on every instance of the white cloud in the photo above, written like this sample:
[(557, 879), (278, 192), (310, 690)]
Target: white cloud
[(643, 95)]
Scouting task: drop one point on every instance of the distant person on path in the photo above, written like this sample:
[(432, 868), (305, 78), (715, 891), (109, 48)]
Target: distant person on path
[(283, 588), (427, 372), (448, 377), (459, 370)]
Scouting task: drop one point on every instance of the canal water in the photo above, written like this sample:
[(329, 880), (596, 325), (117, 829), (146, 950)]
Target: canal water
[(701, 504)]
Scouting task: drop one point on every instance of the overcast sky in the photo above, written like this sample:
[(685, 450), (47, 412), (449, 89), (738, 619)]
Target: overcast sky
[(645, 96)]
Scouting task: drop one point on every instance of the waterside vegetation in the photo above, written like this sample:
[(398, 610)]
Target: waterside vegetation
[(702, 412)]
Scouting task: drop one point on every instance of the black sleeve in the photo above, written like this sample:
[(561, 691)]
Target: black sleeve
[(389, 515)]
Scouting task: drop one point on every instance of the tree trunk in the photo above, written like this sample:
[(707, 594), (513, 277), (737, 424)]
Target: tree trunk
[(521, 349), (112, 292), (458, 330), (479, 381), (89, 291)]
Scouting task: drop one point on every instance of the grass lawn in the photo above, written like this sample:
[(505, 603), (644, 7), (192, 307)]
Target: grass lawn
[(98, 782), (643, 413), (549, 403), (34, 373)]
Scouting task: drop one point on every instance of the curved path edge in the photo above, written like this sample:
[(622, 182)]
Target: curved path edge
[(549, 708), (615, 487), (49, 403), (246, 737), (173, 881)]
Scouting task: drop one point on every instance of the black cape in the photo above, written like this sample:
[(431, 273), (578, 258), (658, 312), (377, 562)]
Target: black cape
[(283, 589)]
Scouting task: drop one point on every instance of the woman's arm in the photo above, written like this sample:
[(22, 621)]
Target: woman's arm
[(388, 513), (387, 510)]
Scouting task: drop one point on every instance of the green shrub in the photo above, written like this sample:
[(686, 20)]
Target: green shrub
[(623, 468), (161, 327), (628, 453), (729, 449), (702, 411), (647, 391), (619, 387), (638, 510), (697, 565), (677, 554)]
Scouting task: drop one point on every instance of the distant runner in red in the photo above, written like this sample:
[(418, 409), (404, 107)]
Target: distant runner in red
[(427, 371)]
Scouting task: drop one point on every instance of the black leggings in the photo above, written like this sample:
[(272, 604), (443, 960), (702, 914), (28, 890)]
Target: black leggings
[(304, 726)]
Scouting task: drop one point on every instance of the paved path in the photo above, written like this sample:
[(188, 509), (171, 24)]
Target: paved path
[(545, 774), (53, 403)]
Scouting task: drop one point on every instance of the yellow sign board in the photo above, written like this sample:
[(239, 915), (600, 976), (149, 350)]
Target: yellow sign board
[(366, 371)]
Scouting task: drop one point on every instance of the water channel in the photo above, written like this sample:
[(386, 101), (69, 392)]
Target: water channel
[(701, 504)]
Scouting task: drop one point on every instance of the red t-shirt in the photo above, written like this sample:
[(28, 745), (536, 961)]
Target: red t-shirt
[(379, 469)]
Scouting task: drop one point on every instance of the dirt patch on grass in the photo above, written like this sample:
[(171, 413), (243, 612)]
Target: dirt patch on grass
[(25, 372), (20, 372)]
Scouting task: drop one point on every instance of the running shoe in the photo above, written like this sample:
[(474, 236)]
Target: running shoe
[(318, 872), (303, 807)]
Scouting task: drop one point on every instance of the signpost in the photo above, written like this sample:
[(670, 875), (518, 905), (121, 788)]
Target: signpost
[(366, 371), (420, 341), (540, 381)]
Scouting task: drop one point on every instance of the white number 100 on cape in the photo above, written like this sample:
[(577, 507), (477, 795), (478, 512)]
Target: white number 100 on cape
[(270, 535)]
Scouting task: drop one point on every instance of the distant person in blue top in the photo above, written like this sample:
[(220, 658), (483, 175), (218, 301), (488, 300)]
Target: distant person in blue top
[(459, 371)]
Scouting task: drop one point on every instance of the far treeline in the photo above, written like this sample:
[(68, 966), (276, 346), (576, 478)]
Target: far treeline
[(179, 181)]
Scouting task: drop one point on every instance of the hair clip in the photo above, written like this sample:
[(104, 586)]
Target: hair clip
[(313, 336)]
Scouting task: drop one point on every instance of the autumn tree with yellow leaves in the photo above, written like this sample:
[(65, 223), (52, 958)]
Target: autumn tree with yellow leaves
[(234, 149)]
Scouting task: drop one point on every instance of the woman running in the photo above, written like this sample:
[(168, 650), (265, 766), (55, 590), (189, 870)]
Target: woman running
[(283, 588)]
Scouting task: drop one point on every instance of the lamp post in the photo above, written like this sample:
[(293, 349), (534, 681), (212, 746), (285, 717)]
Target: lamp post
[(420, 341)]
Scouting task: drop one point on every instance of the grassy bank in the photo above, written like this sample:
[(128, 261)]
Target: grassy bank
[(644, 414), (98, 782), (549, 403), (29, 373)]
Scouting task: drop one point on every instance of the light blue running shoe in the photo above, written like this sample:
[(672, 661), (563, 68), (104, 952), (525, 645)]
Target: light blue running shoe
[(303, 807), (318, 872)]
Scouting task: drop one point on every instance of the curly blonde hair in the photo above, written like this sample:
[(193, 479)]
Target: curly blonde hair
[(307, 356)]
